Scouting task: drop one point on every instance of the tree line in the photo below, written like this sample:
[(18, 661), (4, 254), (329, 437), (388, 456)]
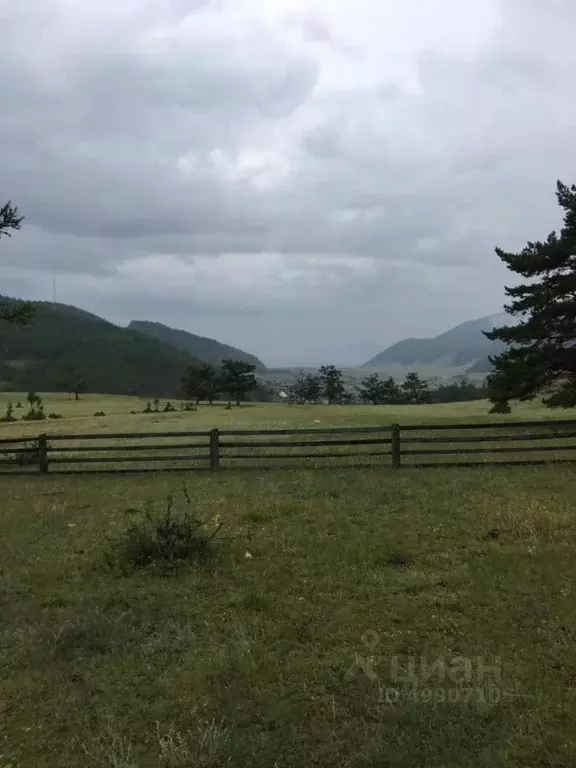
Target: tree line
[(234, 379), (328, 386)]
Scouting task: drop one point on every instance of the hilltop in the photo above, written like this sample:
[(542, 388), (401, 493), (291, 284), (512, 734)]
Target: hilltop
[(63, 342), (463, 346), (207, 350)]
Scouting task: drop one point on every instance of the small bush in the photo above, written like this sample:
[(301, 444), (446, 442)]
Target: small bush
[(133, 412), (190, 407), (164, 535), (36, 412), (54, 415), (99, 413), (169, 407), (148, 408), (18, 405), (156, 405), (9, 415)]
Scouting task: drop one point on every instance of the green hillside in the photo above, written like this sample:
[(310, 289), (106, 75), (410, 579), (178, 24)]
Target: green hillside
[(62, 343), (464, 345), (208, 350)]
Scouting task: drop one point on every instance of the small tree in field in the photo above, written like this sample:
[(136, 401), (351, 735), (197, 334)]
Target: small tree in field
[(312, 388), (296, 390), (9, 415), (36, 411), (415, 390), (306, 389), (369, 390), (238, 378), (391, 392), (374, 390), (73, 382), (540, 357), (201, 383), (332, 383)]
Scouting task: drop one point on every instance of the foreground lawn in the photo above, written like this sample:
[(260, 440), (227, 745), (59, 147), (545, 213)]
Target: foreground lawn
[(248, 660)]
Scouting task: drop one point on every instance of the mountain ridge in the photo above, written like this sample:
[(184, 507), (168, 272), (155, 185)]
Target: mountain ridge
[(462, 345), (206, 349), (62, 342)]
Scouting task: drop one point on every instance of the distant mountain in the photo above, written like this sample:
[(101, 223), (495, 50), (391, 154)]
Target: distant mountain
[(207, 350), (464, 346), (63, 341)]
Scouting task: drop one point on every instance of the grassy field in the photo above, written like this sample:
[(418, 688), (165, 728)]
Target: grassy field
[(124, 415), (291, 645), (78, 416)]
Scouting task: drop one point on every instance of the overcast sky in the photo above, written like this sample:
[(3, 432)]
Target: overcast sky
[(311, 180)]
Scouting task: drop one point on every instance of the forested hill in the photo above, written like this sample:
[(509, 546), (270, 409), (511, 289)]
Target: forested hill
[(63, 344), (208, 350)]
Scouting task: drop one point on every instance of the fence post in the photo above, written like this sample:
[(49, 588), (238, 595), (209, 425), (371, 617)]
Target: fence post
[(395, 445), (214, 450), (43, 453)]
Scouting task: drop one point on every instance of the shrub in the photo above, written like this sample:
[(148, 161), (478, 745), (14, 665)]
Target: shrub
[(9, 415), (18, 405), (34, 416), (54, 415), (164, 535), (156, 405), (99, 413), (169, 407), (148, 408), (36, 412)]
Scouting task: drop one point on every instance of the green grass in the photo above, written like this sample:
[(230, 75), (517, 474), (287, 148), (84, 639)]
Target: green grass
[(124, 415), (248, 659), (78, 416), (244, 662)]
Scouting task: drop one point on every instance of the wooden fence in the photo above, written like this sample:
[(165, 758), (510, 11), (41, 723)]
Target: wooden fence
[(395, 446)]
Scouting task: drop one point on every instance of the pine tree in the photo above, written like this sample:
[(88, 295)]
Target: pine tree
[(333, 385), (201, 383), (370, 389), (541, 353), (391, 392), (21, 312), (238, 378), (415, 390), (312, 388), (9, 219), (297, 390)]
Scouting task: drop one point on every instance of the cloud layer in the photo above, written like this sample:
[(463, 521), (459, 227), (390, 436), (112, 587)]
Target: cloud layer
[(308, 179)]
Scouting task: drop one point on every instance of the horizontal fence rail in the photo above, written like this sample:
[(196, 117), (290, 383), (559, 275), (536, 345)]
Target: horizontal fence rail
[(392, 445)]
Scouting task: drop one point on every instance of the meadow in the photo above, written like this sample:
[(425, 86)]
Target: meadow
[(346, 617), (78, 415)]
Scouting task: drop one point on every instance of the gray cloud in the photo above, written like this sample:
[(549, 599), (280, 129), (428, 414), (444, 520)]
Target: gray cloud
[(308, 180)]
